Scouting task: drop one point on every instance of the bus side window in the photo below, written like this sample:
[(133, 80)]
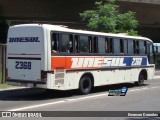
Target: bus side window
[(130, 47), (145, 46), (111, 43), (136, 46), (107, 45), (76, 38), (95, 44), (71, 43), (142, 47), (65, 42), (101, 45), (90, 43), (84, 44), (54, 42), (121, 46), (150, 52), (125, 47), (116, 46)]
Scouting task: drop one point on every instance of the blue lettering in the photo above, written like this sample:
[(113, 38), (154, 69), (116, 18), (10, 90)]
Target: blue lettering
[(126, 61), (23, 65), (24, 39)]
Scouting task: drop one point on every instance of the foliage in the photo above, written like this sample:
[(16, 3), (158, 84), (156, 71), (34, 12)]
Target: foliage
[(4, 25), (107, 18)]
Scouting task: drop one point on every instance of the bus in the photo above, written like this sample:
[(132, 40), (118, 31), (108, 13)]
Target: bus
[(60, 58)]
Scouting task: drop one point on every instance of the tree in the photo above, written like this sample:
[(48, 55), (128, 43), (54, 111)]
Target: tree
[(107, 18), (4, 25)]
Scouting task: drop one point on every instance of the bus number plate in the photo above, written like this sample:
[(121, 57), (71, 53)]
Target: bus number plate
[(23, 65)]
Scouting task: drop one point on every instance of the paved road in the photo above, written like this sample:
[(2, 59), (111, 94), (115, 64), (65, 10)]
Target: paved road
[(144, 98)]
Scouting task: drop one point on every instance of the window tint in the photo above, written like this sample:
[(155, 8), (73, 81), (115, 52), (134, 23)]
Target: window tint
[(90, 43), (116, 45), (71, 46), (142, 47), (125, 47), (122, 46), (95, 44), (54, 42), (145, 46), (77, 38), (111, 43), (107, 45), (84, 44), (64, 43), (136, 46), (150, 52), (101, 45), (130, 46)]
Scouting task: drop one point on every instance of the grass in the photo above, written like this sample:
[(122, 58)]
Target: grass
[(5, 86)]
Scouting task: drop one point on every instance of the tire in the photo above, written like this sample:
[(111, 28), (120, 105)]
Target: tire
[(85, 85), (140, 80)]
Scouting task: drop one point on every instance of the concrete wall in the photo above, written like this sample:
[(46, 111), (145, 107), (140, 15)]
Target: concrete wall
[(66, 12)]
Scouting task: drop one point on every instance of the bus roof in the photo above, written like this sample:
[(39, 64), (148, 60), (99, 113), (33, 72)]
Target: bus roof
[(62, 28)]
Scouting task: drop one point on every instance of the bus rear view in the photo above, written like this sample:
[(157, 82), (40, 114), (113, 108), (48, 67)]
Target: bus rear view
[(25, 46)]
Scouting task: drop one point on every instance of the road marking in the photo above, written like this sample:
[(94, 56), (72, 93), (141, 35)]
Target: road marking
[(76, 99), (88, 97), (155, 87), (138, 89), (144, 88)]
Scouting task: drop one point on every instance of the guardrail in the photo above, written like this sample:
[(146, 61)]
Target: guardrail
[(2, 63)]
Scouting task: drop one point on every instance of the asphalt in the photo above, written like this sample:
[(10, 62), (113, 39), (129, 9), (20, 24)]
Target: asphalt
[(138, 98), (143, 98)]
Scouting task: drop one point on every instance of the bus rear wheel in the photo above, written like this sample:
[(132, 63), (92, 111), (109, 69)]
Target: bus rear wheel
[(140, 79), (85, 85)]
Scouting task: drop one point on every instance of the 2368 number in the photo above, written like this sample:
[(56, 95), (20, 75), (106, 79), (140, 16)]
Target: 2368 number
[(23, 65)]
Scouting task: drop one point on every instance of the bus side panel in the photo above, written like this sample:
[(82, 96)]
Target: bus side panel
[(115, 76), (107, 77), (124, 76), (135, 74), (151, 72)]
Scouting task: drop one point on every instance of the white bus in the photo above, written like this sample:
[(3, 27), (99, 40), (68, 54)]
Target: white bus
[(56, 57)]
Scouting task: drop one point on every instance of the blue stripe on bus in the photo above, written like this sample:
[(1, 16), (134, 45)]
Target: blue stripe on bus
[(129, 61)]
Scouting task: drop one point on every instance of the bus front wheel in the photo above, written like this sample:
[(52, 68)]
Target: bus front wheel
[(140, 79), (85, 85)]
